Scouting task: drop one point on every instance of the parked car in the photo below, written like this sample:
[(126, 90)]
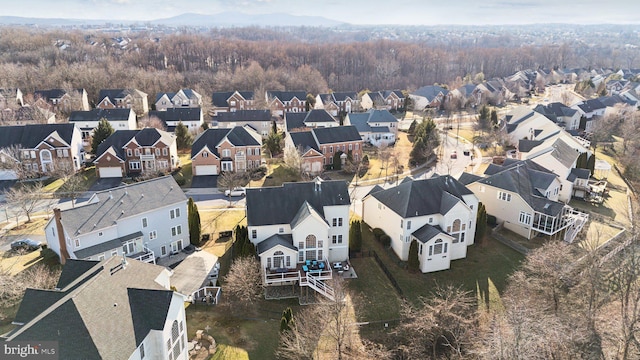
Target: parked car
[(25, 244), (454, 155), (239, 191)]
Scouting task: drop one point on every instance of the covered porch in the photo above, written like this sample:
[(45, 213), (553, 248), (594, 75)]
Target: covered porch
[(568, 219)]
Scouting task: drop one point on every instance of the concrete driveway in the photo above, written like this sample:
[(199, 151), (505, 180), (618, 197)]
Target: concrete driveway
[(193, 272)]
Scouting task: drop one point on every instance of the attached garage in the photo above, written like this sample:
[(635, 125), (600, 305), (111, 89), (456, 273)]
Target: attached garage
[(110, 172), (206, 170)]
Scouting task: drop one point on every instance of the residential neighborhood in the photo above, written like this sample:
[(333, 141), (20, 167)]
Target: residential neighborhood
[(275, 218)]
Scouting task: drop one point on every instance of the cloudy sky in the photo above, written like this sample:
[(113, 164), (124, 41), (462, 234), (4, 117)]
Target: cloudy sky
[(409, 12)]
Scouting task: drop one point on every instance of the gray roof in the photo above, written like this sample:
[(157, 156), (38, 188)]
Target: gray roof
[(287, 95), (114, 94), (123, 302), (427, 232), (436, 195), (526, 145), (244, 115), (468, 178), (344, 95), (380, 116), (525, 178), (190, 94), (300, 120), (579, 174), (98, 114), (238, 136), (106, 246), (285, 240), (29, 136), (144, 137), (294, 121), (72, 270), (304, 141), (280, 205), (430, 92), (108, 206), (336, 134), (564, 153), (53, 93), (219, 99), (555, 108), (305, 211), (178, 114)]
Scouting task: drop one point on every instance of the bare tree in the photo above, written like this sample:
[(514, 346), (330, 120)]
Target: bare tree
[(293, 159), (152, 122), (25, 197), (11, 159), (12, 287), (301, 341), (244, 282), (230, 180), (73, 182)]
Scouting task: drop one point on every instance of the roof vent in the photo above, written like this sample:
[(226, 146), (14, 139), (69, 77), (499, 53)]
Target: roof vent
[(122, 212), (110, 194), (141, 195)]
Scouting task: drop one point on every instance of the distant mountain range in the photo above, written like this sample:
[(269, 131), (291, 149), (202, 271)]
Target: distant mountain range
[(226, 19)]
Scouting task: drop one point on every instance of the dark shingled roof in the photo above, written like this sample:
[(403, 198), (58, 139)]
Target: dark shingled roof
[(52, 93), (98, 114), (279, 205), (244, 115), (149, 310), (178, 114), (34, 302), (29, 136), (304, 140), (144, 137), (343, 96), (556, 109), (564, 153), (238, 136), (336, 134), (380, 116), (105, 246), (427, 232), (287, 95), (300, 120), (430, 92), (579, 174), (294, 120), (525, 178), (526, 145), (467, 178), (423, 197), (72, 270), (285, 240), (219, 99), (64, 325)]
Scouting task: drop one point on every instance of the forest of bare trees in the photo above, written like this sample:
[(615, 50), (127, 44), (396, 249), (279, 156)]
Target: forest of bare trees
[(225, 60)]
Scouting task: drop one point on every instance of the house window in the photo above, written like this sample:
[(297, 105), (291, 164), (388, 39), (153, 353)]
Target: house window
[(77, 243), (331, 149), (525, 218), (226, 153), (254, 234), (100, 233), (174, 213), (114, 253), (157, 152), (144, 222), (176, 230), (129, 153), (300, 256), (128, 247), (137, 152), (165, 151), (335, 222), (281, 230), (430, 220), (357, 146), (504, 196), (420, 249), (439, 247), (256, 151), (457, 231), (205, 154), (339, 239), (163, 250), (153, 235), (142, 351), (134, 165), (339, 221), (409, 225)]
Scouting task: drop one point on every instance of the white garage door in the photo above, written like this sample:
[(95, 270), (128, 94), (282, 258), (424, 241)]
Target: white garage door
[(110, 172), (207, 170)]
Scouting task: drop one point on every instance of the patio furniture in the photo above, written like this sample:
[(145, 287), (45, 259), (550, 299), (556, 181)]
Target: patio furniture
[(314, 263), (305, 268), (308, 262), (337, 266), (321, 266)]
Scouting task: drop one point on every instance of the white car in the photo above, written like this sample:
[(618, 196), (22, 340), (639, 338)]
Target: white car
[(239, 191)]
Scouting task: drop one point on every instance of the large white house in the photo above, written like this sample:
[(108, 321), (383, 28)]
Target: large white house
[(377, 127), (87, 121), (113, 309), (439, 213), (300, 224), (145, 220)]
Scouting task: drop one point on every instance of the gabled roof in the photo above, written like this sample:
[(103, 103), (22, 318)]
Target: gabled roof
[(525, 145), (244, 115), (287, 95), (430, 92), (72, 270), (285, 240), (376, 97), (331, 135), (121, 301), (579, 174), (436, 195), (114, 94), (344, 95), (279, 205), (188, 93), (427, 232), (591, 105), (468, 178), (98, 114), (53, 93), (305, 211), (144, 137), (387, 93), (211, 138), (525, 178), (219, 99), (29, 136), (304, 140), (557, 109), (380, 116), (178, 114), (564, 153), (360, 122), (107, 207), (296, 120)]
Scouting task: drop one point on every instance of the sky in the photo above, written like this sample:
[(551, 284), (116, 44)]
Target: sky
[(402, 12)]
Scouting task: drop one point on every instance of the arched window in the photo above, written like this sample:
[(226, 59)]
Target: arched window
[(278, 259), (457, 230), (310, 241)]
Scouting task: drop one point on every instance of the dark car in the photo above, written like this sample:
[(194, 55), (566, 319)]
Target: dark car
[(25, 244)]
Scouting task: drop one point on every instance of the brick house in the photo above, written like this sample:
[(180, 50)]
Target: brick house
[(61, 100), (135, 152), (281, 102), (231, 101), (319, 146), (123, 99), (234, 149)]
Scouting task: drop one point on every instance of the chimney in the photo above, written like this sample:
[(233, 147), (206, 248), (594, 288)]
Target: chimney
[(318, 185), (64, 254)]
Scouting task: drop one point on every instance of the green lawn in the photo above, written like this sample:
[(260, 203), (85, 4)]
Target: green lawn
[(280, 175), (374, 297), (484, 272)]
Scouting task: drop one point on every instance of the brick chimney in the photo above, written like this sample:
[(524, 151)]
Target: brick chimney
[(64, 254)]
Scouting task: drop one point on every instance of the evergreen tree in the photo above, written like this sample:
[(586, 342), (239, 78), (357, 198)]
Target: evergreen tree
[(494, 118), (412, 128), (481, 222), (484, 118), (194, 222), (424, 142), (103, 131), (591, 163), (273, 143), (355, 236), (414, 262), (337, 161), (287, 321), (183, 138), (581, 163), (204, 126)]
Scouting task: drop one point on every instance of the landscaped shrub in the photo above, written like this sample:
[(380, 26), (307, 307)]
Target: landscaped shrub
[(492, 221), (377, 233), (385, 240), (258, 173)]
